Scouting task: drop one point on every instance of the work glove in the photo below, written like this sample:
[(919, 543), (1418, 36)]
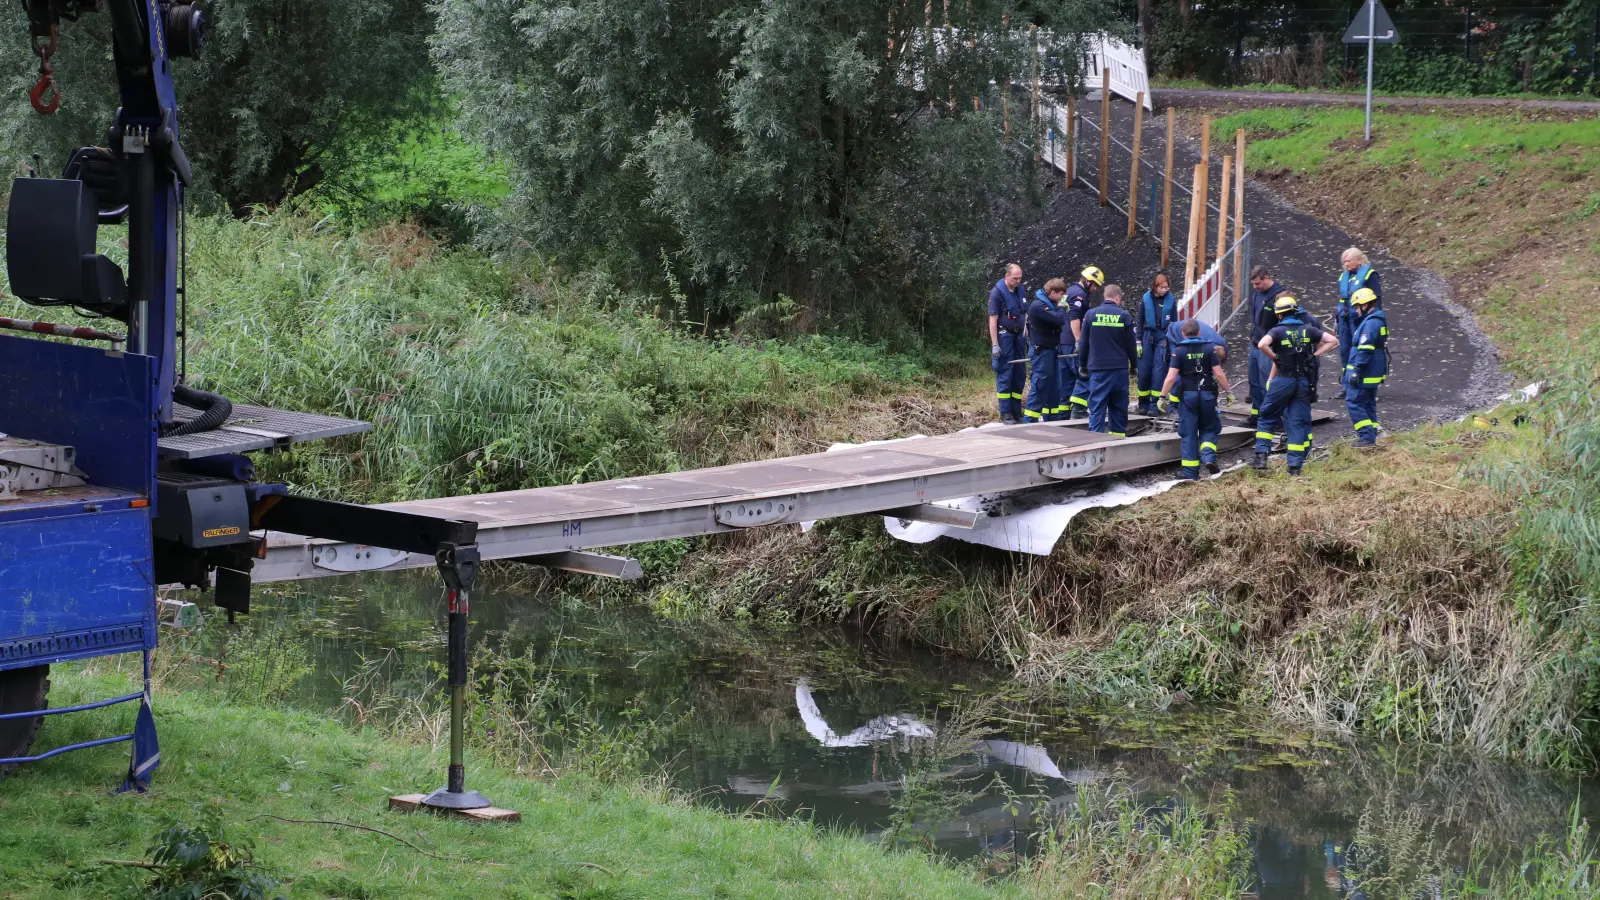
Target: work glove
[(1163, 407), (1228, 397), (995, 362)]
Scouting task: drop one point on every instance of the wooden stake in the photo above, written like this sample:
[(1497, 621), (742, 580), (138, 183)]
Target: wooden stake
[(1105, 127), (1166, 194), (1205, 189), (1196, 220), (1072, 140), (1222, 206), (1238, 217), (1133, 176), (1005, 92)]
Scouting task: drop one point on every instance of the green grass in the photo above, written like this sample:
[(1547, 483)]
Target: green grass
[(578, 838), (1501, 203), (1302, 141), (484, 373)]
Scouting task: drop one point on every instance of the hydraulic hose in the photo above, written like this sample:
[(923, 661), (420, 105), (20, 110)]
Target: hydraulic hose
[(214, 411)]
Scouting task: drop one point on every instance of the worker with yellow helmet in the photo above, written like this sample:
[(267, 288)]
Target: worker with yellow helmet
[(1293, 346), (1077, 303), (1367, 365)]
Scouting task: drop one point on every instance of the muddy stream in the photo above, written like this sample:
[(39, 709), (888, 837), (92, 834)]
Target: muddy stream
[(827, 724)]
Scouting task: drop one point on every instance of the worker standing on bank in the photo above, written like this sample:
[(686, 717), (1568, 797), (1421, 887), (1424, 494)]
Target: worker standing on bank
[(1079, 300), (1008, 316), (1157, 312), (1264, 290), (1358, 273), (1108, 360), (1367, 367), (1293, 347), (1193, 374), (1046, 319)]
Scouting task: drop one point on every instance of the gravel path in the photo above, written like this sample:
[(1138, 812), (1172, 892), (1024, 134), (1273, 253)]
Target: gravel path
[(1441, 364)]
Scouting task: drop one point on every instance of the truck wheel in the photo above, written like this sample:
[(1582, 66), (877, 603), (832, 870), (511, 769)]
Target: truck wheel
[(21, 690)]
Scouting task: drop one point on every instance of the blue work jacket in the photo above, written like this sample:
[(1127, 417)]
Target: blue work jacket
[(1045, 321), (1368, 365), (1108, 339)]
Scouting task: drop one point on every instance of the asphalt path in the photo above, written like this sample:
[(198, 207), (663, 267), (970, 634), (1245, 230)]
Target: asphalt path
[(1441, 365)]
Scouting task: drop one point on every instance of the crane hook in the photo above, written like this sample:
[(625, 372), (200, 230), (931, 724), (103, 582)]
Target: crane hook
[(46, 95)]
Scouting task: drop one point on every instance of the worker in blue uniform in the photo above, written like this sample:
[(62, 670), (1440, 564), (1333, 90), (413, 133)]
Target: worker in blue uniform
[(1264, 290), (1157, 312), (1107, 360), (1293, 346), (1211, 336), (1079, 300), (1193, 374), (1008, 317), (1046, 319), (1358, 273), (1367, 367)]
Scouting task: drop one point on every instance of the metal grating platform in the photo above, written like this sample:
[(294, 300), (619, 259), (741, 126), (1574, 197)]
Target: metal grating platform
[(893, 475), (254, 428)]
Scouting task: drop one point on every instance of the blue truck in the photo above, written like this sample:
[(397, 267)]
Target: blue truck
[(117, 478)]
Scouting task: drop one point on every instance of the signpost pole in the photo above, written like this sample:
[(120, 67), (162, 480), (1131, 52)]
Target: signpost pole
[(1372, 38)]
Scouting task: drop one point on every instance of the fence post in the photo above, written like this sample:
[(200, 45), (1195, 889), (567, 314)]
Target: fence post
[(1196, 217), (1105, 126), (1166, 194), (1072, 140), (1033, 31), (1222, 207), (1239, 258), (1205, 189), (1133, 177)]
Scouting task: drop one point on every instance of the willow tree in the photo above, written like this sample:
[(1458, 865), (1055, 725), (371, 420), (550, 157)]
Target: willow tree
[(847, 154)]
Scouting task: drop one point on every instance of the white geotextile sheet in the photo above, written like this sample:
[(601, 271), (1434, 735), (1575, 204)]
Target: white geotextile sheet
[(1034, 531)]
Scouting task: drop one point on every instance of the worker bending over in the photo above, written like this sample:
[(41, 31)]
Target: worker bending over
[(1293, 347), (1079, 300), (1193, 374), (1107, 360), (1008, 312), (1368, 366), (1157, 312), (1358, 273), (1046, 318)]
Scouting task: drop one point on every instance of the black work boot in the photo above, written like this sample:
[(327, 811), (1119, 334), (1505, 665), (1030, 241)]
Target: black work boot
[(1294, 471), (1260, 462), (1250, 421), (1213, 468), (1340, 395)]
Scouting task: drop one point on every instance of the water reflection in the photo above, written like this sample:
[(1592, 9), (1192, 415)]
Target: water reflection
[(761, 719)]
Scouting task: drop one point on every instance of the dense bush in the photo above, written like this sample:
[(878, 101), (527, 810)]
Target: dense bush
[(285, 96), (740, 153), (1545, 46)]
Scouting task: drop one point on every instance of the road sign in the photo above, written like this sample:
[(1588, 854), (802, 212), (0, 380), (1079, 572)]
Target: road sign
[(1382, 27), (1371, 26)]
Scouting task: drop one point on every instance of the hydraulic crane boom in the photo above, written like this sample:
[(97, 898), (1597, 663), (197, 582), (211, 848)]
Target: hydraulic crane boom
[(115, 477)]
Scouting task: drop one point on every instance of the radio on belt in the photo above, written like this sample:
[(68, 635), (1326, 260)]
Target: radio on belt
[(199, 511)]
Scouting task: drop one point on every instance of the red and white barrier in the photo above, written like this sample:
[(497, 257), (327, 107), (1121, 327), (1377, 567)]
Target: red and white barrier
[(1204, 300), (70, 331)]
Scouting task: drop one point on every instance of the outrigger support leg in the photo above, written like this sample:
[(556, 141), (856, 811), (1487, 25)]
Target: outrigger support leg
[(458, 565)]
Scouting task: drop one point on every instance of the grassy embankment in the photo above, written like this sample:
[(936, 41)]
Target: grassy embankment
[(304, 795), (1433, 593), (488, 374)]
